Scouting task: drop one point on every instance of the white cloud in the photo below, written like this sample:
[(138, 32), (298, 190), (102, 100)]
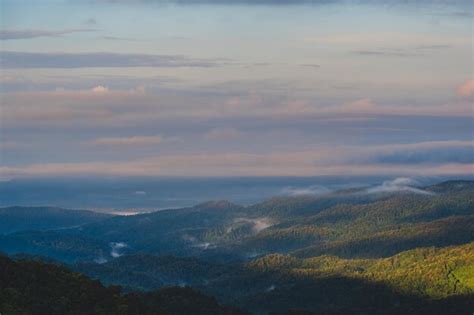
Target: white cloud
[(259, 224), (311, 190), (100, 89), (401, 184), (117, 249)]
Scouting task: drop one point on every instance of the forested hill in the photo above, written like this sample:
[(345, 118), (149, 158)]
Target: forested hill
[(426, 281), (34, 287), (356, 223), (412, 282)]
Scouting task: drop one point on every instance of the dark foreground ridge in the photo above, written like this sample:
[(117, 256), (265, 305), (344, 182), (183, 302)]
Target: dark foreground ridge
[(34, 287)]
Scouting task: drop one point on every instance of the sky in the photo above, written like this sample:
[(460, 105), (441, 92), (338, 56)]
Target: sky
[(236, 88)]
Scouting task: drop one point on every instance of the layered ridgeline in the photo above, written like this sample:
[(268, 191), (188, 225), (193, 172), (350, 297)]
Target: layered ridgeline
[(362, 223), (385, 248)]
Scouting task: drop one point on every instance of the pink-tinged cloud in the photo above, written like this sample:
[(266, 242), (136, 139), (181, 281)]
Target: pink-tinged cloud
[(128, 141), (101, 106), (466, 89), (365, 105), (193, 168), (328, 160)]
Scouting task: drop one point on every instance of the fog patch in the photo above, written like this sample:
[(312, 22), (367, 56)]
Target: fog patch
[(205, 245), (189, 238), (315, 190), (139, 193), (117, 249), (400, 184), (125, 213), (258, 224), (100, 260), (195, 242)]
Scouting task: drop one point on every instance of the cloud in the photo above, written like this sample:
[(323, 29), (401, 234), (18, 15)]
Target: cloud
[(388, 52), (466, 89), (258, 224), (100, 260), (434, 47), (222, 134), (15, 59), (117, 249), (128, 141), (368, 106), (108, 37), (310, 65), (311, 190), (408, 45), (15, 82), (204, 245), (246, 166), (90, 21), (101, 106), (293, 2), (362, 105), (65, 106), (330, 160), (27, 34), (100, 89), (401, 184), (461, 152), (229, 2), (463, 14), (270, 288)]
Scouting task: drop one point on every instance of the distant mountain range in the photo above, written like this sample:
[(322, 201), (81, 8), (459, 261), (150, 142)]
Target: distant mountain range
[(14, 219), (388, 250)]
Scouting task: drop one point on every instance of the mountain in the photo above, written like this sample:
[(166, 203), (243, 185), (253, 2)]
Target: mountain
[(13, 219), (381, 226), (348, 223), (378, 249), (34, 287), (146, 272), (422, 281), (417, 278)]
